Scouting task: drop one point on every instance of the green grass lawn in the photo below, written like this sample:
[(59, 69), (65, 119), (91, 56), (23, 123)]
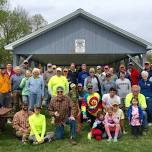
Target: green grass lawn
[(9, 143)]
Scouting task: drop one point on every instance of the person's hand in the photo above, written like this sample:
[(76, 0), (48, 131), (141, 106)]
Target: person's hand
[(41, 141), (56, 114), (71, 118), (42, 98), (84, 116)]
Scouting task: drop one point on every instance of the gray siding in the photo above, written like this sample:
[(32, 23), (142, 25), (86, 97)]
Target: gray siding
[(61, 40)]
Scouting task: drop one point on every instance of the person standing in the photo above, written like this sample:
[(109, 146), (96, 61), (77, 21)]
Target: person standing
[(15, 88), (83, 74), (58, 80), (5, 88), (94, 80), (36, 89), (24, 87), (9, 70), (73, 74), (61, 109), (47, 76), (146, 90)]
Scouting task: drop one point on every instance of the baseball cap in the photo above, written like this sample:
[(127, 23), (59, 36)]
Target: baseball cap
[(89, 85), (80, 85), (2, 66), (59, 88), (147, 62), (59, 69), (25, 61), (49, 65), (37, 106), (72, 85), (115, 103), (130, 64), (98, 67)]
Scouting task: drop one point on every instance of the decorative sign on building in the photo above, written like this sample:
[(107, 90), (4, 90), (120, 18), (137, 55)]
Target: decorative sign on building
[(79, 46)]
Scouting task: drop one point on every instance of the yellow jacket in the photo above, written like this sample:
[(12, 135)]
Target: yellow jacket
[(5, 85), (141, 100), (57, 81)]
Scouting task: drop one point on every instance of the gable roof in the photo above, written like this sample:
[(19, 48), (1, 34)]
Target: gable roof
[(80, 12)]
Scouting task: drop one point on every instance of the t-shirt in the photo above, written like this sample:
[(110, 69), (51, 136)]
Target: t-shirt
[(123, 87), (119, 114), (107, 100)]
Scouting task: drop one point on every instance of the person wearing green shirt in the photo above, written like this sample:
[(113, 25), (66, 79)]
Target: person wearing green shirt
[(24, 87), (141, 101), (56, 81), (37, 123)]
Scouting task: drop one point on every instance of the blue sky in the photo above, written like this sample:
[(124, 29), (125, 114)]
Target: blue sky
[(135, 16)]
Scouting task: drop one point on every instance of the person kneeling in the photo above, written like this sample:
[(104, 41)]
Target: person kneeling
[(37, 123), (20, 123)]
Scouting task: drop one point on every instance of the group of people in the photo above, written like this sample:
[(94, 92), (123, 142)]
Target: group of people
[(98, 96)]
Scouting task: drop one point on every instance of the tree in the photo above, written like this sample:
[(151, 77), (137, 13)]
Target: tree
[(14, 25), (37, 22)]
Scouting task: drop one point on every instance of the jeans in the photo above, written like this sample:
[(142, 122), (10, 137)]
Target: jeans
[(17, 101), (47, 97), (25, 99), (34, 99), (48, 137), (5, 99), (149, 109), (59, 131), (145, 122)]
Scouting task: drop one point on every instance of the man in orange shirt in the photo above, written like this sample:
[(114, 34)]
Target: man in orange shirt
[(5, 87)]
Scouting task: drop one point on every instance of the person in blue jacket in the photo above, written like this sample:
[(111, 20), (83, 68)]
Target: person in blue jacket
[(146, 89), (135, 117)]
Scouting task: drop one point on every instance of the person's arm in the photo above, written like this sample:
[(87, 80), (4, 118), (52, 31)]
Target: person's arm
[(85, 84), (66, 86), (51, 108), (43, 128), (143, 102), (33, 129), (50, 86), (22, 84), (42, 87), (16, 125)]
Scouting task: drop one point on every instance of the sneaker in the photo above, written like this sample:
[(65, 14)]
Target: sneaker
[(109, 139), (124, 132), (73, 141), (89, 135), (115, 139)]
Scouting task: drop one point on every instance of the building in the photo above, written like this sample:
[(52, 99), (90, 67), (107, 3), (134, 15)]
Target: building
[(79, 37)]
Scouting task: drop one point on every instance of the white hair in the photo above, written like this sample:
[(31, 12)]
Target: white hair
[(144, 73), (36, 70)]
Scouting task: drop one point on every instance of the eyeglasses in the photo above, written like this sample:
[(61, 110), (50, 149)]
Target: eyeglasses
[(54, 68), (136, 91), (59, 91), (90, 88), (65, 71)]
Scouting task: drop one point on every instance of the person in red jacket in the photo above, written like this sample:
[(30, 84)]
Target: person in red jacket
[(134, 74)]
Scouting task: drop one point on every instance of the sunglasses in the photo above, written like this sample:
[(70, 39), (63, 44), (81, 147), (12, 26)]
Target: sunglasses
[(90, 88), (54, 68), (59, 91)]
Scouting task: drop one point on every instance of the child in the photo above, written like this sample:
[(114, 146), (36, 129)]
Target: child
[(23, 86), (112, 124), (135, 116), (98, 127), (120, 115)]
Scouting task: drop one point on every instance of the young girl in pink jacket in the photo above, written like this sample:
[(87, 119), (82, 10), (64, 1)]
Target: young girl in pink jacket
[(112, 124)]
